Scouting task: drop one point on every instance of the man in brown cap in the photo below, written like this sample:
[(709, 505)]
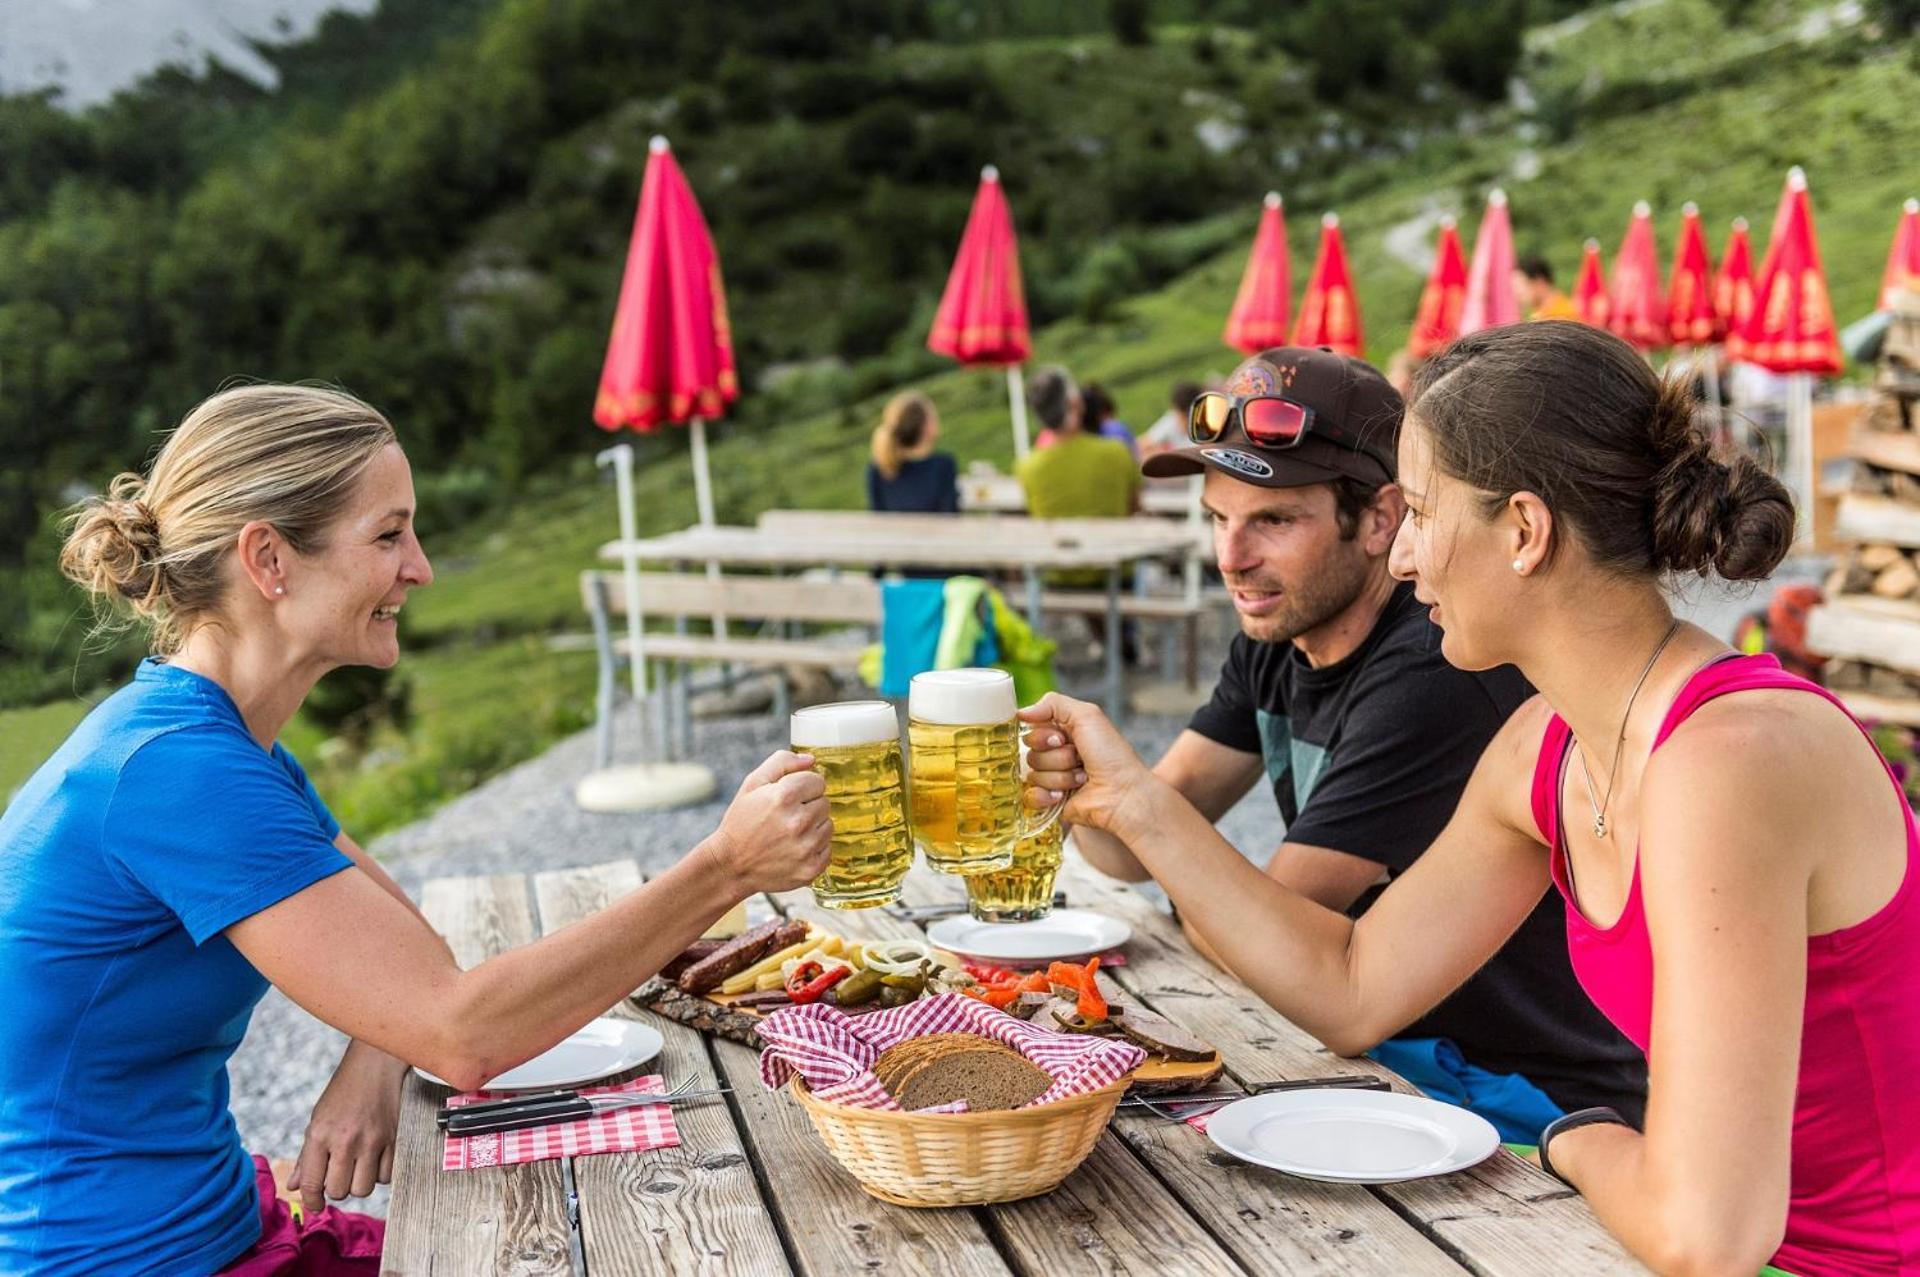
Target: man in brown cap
[(1335, 694)]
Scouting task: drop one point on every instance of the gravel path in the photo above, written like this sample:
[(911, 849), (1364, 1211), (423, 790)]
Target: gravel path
[(525, 820)]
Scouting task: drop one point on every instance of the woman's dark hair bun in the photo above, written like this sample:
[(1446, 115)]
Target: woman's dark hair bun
[(1728, 517)]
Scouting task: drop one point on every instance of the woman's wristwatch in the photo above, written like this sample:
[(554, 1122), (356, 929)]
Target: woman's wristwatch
[(1563, 1124)]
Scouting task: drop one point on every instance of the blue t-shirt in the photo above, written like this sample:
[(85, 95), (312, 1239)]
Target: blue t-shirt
[(927, 485), (158, 824)]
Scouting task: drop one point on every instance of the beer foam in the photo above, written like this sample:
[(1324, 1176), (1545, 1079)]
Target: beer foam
[(960, 697), (843, 723)]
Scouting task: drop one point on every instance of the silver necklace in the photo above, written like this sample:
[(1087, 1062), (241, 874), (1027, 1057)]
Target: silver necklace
[(1600, 805)]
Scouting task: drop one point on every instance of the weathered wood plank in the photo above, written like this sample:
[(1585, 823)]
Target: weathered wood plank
[(1270, 1223), (1878, 631), (1110, 1216), (1889, 449), (506, 1220), (831, 1223), (1495, 1218), (691, 1209), (1868, 518)]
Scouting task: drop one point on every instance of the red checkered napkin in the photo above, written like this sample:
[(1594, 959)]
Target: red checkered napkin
[(835, 1052), (627, 1130)]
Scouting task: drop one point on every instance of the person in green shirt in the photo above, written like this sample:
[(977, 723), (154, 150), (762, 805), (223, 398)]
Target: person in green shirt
[(1081, 476)]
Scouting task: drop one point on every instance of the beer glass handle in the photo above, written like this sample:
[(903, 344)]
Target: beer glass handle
[(1030, 824)]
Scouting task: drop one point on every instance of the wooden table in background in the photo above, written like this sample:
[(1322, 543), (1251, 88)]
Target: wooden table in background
[(751, 1190)]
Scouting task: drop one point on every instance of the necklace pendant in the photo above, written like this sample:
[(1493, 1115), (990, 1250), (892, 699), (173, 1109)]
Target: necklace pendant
[(1599, 826)]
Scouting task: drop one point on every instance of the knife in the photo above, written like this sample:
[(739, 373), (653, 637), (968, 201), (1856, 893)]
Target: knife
[(551, 1109)]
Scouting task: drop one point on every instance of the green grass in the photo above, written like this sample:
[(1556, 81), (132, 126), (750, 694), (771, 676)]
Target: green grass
[(28, 736), (488, 691)]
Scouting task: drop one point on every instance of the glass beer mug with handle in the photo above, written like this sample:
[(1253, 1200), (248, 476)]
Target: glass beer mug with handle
[(856, 749), (964, 755)]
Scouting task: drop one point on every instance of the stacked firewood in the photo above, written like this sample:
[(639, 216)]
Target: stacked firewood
[(1870, 623)]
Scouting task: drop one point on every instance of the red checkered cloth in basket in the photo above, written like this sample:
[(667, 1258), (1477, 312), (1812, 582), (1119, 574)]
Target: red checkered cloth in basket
[(835, 1051), (627, 1130)]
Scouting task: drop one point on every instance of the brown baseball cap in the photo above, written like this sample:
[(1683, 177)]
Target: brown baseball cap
[(1355, 428)]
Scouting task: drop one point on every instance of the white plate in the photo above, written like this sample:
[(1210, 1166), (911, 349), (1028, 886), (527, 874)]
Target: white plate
[(1361, 1137), (602, 1048), (1064, 933)]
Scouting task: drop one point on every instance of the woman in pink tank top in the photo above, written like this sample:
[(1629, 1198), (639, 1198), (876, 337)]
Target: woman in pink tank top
[(1739, 867)]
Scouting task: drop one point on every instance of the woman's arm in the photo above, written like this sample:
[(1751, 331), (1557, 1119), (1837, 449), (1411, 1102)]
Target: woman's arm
[(1728, 833), (358, 958), (1349, 984)]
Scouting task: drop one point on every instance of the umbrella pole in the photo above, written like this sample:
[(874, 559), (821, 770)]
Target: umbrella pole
[(1017, 401), (703, 499), (1800, 446)]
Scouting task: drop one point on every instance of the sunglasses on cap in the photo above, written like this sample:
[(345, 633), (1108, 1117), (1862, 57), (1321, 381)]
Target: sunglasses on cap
[(1268, 421)]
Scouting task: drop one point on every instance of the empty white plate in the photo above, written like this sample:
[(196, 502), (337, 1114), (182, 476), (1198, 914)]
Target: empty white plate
[(1064, 933), (600, 1049), (1361, 1137)]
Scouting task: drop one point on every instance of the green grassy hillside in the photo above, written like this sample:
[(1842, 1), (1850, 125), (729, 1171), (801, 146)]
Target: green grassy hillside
[(1718, 123)]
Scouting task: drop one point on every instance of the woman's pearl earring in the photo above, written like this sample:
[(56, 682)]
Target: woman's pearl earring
[(281, 589), (1520, 566)]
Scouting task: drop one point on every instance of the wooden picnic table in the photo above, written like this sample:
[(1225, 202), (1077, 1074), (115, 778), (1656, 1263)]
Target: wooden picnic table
[(876, 541), (751, 1190)]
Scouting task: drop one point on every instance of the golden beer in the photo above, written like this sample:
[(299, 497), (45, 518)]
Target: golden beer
[(964, 754), (1022, 892), (856, 749)]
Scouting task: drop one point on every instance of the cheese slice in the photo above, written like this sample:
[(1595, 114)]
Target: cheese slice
[(731, 924)]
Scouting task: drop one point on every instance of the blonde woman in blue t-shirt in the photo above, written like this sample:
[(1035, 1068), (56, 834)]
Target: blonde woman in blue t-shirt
[(171, 861)]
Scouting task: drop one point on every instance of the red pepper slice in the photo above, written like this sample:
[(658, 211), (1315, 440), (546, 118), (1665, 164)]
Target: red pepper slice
[(1035, 982), (1067, 975), (811, 990), (1092, 1006), (1000, 997)]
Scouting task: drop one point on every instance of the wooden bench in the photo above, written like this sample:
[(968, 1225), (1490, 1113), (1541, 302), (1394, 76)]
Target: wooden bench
[(778, 602)]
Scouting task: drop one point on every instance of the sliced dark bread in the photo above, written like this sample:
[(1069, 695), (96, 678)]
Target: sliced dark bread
[(1162, 1036), (988, 1077), (897, 1059)]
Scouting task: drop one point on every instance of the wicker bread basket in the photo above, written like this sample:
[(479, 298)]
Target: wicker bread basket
[(962, 1159)]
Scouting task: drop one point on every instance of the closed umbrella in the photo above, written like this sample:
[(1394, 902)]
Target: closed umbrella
[(1791, 328), (1262, 306), (1638, 311), (1490, 298), (1903, 259), (982, 319), (1590, 290), (1329, 312), (1691, 317), (1437, 321), (669, 360), (1733, 289)]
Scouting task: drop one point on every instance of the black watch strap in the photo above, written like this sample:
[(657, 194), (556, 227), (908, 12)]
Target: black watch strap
[(1560, 1125)]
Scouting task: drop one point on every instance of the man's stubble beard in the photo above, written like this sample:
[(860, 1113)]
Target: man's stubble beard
[(1309, 605)]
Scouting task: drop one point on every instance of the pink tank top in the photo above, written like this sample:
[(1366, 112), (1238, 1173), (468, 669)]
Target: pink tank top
[(1854, 1205)]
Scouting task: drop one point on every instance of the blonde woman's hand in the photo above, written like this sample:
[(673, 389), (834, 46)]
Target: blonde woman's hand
[(776, 834), (1077, 756)]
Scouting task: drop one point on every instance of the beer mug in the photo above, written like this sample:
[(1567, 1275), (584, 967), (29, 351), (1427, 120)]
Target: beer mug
[(1023, 891), (856, 749), (963, 748)]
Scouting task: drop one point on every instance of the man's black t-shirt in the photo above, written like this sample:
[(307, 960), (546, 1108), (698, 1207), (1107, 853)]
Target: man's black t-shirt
[(1369, 756)]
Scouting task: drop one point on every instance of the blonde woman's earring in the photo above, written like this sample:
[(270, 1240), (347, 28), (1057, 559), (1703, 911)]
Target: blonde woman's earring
[(1520, 566), (281, 589)]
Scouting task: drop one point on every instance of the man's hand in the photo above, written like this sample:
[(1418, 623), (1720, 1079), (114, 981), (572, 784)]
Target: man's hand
[(350, 1138)]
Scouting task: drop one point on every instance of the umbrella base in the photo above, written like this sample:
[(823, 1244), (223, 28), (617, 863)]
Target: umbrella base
[(644, 787)]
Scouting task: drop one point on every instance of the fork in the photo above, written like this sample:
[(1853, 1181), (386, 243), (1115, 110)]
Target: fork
[(1208, 1101)]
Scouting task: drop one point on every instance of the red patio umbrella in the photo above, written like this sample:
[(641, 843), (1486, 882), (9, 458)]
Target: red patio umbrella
[(1490, 298), (1590, 290), (1329, 312), (670, 358), (1637, 310), (1437, 322), (1733, 288), (1903, 259), (1791, 329), (1260, 309), (982, 319), (1691, 317)]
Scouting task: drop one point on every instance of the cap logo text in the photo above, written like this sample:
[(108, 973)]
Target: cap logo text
[(1241, 462)]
